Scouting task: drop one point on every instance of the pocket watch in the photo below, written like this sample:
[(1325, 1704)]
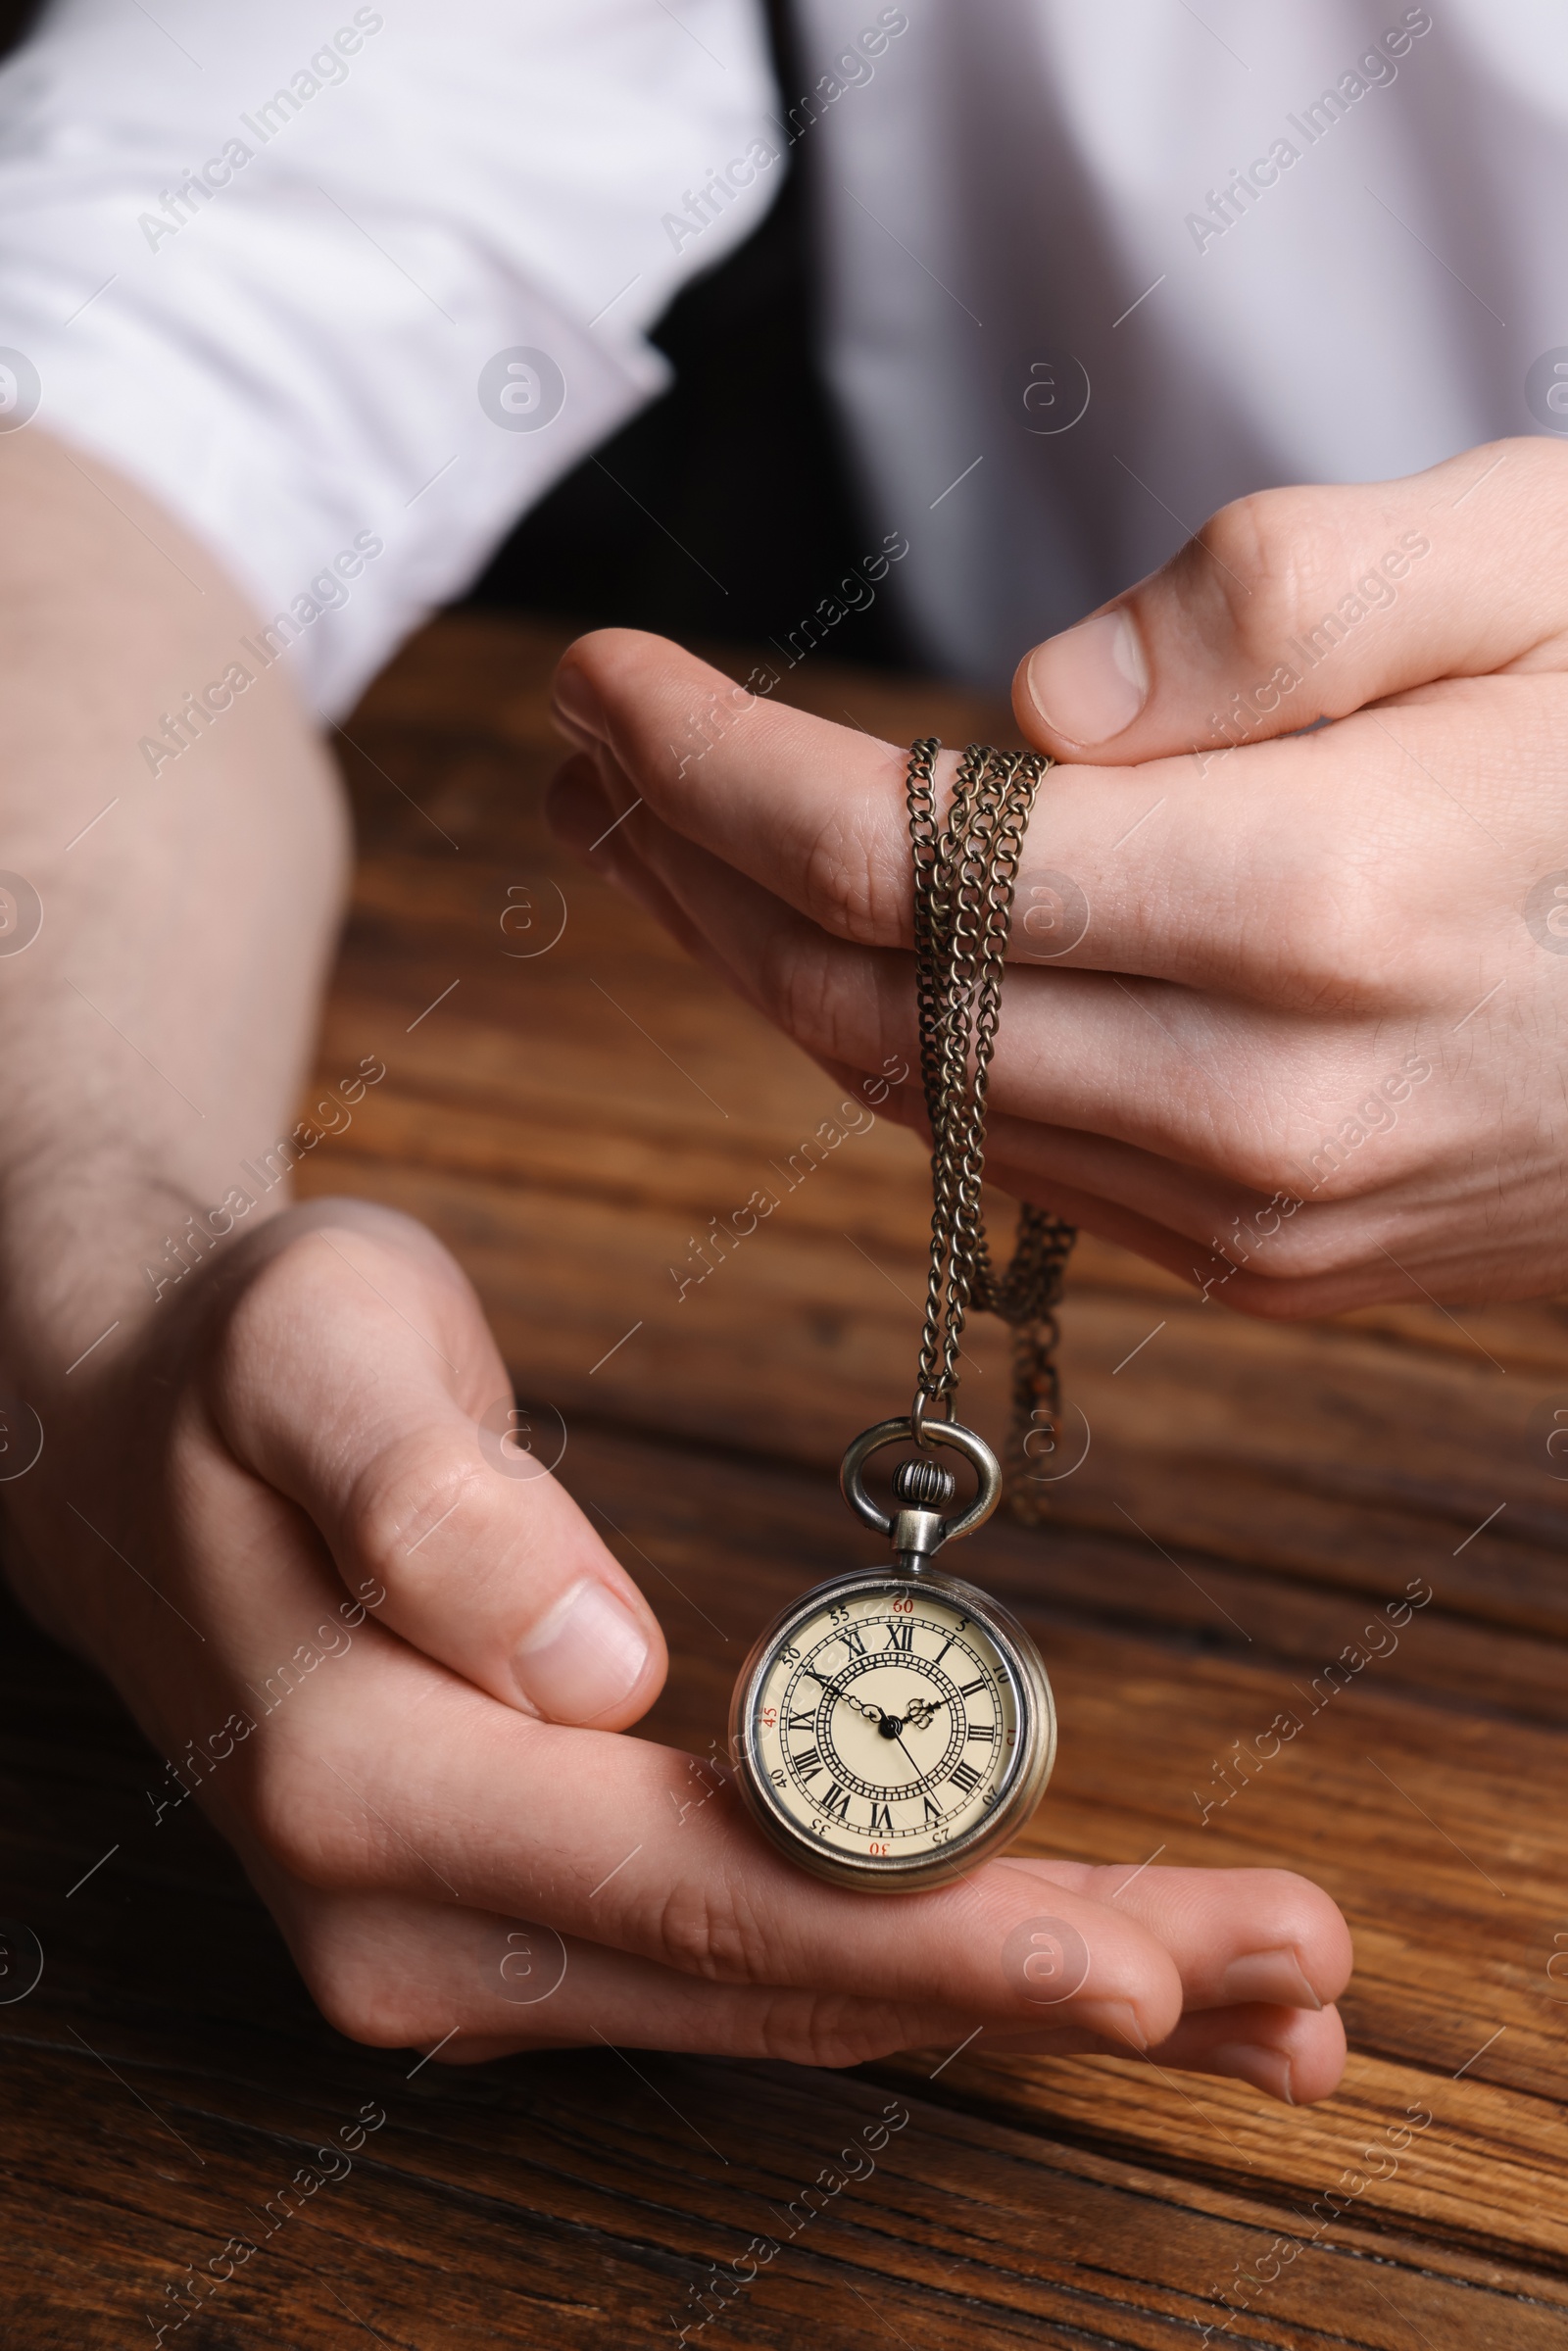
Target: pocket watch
[(894, 1726)]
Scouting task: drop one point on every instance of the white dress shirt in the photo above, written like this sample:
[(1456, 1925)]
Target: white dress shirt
[(348, 288)]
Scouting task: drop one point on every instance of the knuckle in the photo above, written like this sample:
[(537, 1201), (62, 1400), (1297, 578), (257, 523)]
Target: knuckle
[(362, 1999), (298, 1826), (288, 1293), (790, 983), (842, 1004), (399, 1499), (1355, 1158), (830, 2031), (1271, 556), (802, 992), (1258, 1165), (324, 1263), (708, 1928), (1336, 947), (1250, 1152), (1329, 1173), (1299, 1254), (850, 888), (272, 1298)]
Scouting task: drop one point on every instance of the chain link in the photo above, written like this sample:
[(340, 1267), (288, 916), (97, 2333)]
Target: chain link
[(965, 872)]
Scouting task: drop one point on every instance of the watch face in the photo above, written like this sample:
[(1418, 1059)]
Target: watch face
[(890, 1729)]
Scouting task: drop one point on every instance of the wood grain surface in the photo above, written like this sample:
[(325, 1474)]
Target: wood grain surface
[(571, 1112)]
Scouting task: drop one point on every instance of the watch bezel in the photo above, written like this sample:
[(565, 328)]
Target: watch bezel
[(1034, 1758)]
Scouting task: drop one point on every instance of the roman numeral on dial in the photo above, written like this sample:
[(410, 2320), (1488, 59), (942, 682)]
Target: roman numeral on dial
[(881, 1820), (900, 1635), (804, 1722), (964, 1774), (968, 1689), (985, 1731), (807, 1763), (836, 1806)]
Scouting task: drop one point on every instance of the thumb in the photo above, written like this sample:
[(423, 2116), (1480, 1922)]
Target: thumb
[(1298, 604), (353, 1376)]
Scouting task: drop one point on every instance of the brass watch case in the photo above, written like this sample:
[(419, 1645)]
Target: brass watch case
[(1022, 1785)]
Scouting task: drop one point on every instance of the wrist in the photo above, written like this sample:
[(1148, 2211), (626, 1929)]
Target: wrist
[(93, 1257)]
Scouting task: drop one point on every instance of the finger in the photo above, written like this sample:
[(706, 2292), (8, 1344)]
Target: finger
[(582, 813), (356, 1376), (1285, 1944), (1217, 1154), (395, 1971), (373, 1768), (1142, 1093), (369, 1767), (1296, 604), (615, 1846), (398, 1972), (379, 1772), (1294, 2054), (803, 807), (1331, 1266), (1262, 875), (612, 1844), (1317, 1244), (809, 983)]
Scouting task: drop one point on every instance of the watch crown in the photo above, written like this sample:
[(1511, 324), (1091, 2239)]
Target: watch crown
[(923, 1483)]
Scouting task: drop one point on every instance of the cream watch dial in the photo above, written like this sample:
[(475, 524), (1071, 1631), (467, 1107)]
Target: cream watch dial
[(890, 1727)]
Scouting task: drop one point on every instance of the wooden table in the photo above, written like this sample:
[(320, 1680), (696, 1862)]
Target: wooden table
[(568, 1120)]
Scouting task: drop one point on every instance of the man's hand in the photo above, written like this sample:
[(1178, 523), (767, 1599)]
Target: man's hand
[(388, 1654), (1288, 1016)]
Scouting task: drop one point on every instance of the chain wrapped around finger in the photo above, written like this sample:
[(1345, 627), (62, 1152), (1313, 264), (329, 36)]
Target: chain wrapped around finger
[(965, 873)]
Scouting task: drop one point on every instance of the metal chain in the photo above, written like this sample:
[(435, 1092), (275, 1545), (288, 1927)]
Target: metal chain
[(965, 872)]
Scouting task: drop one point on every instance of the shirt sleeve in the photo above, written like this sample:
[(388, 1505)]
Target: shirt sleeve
[(347, 295)]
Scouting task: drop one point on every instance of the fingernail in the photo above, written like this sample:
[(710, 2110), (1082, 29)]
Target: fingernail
[(1267, 2070), (1276, 1977), (583, 1658), (1116, 2020), (1090, 682), (574, 700)]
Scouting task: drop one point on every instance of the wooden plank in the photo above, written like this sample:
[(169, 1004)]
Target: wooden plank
[(558, 2200), (566, 1277), (1253, 1495), (1374, 1798)]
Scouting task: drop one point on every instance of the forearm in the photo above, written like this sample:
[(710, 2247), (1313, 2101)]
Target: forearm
[(154, 1032)]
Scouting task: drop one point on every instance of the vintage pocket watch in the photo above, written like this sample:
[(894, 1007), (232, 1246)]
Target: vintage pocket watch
[(894, 1726)]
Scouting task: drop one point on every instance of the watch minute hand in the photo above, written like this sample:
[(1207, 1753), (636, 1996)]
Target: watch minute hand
[(872, 1714)]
